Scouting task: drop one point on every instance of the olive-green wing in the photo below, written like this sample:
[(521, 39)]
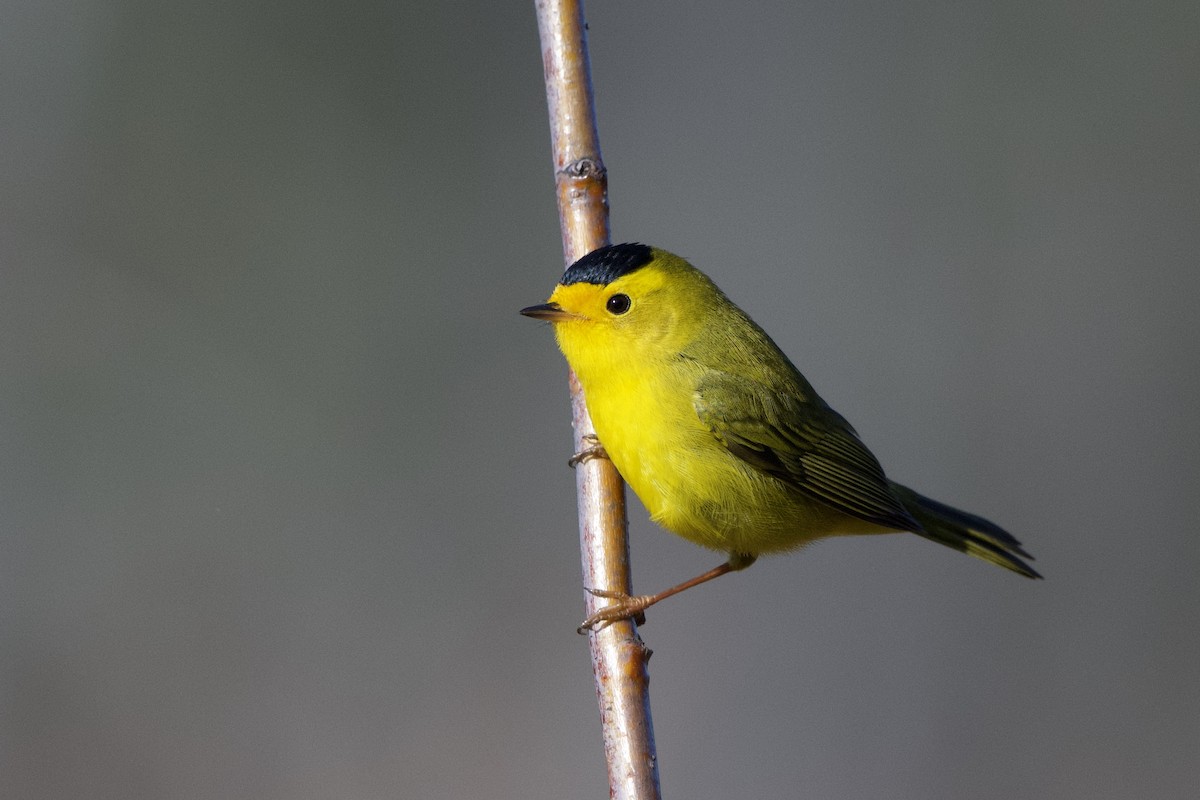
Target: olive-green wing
[(803, 443)]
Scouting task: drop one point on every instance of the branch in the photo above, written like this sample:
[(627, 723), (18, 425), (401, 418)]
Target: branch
[(618, 655)]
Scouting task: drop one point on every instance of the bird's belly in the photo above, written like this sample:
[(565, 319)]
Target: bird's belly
[(727, 505), (694, 487)]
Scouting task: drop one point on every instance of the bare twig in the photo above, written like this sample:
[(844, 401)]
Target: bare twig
[(618, 655)]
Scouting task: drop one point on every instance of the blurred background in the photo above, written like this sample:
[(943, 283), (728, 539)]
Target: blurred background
[(284, 508)]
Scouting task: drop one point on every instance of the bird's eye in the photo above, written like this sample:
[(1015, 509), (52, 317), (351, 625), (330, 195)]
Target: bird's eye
[(618, 304)]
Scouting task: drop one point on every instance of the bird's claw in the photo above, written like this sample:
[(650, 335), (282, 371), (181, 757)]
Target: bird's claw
[(592, 449), (626, 606)]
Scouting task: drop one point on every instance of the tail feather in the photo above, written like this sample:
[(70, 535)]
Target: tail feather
[(965, 532)]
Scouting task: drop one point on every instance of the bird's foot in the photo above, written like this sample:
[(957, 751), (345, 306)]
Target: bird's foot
[(592, 449), (626, 606)]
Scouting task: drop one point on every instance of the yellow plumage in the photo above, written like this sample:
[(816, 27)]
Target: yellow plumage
[(720, 436)]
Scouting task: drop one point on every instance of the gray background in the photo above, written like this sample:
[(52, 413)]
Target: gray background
[(284, 510)]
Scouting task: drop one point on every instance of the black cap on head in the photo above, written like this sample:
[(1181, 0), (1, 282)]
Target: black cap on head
[(605, 265)]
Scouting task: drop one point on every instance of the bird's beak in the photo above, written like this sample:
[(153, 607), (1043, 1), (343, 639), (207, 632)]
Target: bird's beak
[(550, 312)]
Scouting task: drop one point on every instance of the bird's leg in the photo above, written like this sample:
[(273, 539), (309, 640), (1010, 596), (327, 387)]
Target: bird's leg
[(628, 606), (592, 449)]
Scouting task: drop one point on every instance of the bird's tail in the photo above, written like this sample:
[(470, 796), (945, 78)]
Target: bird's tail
[(965, 532)]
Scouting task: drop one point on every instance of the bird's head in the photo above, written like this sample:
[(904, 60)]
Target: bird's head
[(626, 302)]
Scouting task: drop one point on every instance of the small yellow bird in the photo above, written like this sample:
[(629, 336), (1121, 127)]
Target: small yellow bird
[(724, 441)]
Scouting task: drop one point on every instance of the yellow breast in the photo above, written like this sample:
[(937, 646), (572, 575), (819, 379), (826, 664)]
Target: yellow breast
[(688, 481), (640, 395)]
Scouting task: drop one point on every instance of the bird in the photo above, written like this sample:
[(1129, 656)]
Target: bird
[(720, 436)]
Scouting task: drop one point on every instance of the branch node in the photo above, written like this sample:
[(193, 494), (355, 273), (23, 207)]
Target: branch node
[(584, 169)]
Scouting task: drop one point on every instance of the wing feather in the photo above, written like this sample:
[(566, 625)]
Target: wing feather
[(801, 442)]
